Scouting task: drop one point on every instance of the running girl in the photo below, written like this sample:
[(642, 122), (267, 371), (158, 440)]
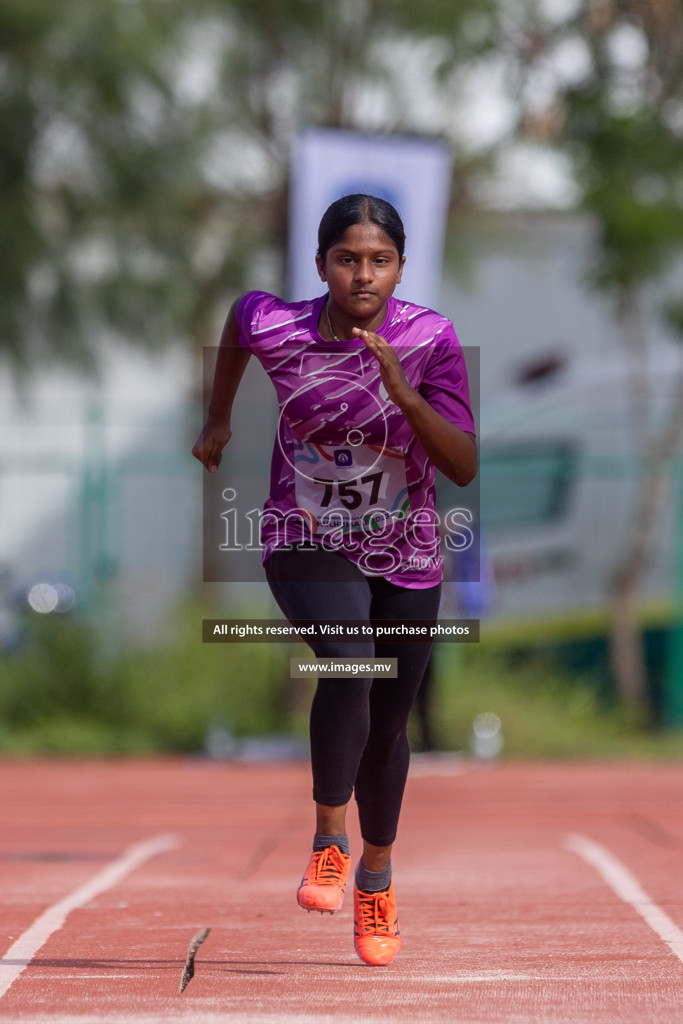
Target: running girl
[(373, 395)]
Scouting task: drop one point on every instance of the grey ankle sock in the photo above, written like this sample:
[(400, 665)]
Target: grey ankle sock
[(373, 881), (321, 842)]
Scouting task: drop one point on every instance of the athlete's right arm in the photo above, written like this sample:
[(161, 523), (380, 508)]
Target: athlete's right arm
[(231, 363)]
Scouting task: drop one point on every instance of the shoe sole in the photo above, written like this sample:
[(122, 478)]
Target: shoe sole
[(320, 910)]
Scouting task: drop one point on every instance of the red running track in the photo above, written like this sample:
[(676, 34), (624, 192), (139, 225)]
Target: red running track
[(110, 869)]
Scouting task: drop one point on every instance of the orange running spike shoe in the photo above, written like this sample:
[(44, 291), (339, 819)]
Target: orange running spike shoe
[(324, 884), (377, 936)]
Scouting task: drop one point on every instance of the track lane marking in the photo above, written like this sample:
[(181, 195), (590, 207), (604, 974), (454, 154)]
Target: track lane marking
[(22, 951), (627, 888)]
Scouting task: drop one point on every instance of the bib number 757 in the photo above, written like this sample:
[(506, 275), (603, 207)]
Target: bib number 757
[(341, 488), (347, 491)]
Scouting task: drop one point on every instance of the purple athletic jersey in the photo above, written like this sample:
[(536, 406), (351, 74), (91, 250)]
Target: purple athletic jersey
[(347, 471)]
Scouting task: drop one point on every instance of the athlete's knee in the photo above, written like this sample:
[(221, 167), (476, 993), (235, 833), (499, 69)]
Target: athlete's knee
[(340, 651), (385, 745)]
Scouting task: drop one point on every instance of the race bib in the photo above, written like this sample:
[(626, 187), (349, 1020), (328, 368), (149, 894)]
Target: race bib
[(350, 487)]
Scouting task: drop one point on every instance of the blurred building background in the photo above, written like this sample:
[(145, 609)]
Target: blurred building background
[(146, 168)]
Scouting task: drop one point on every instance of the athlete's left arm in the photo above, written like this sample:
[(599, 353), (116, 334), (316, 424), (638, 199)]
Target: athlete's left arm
[(451, 449)]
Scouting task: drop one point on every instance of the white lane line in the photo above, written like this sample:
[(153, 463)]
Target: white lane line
[(21, 952), (628, 888)]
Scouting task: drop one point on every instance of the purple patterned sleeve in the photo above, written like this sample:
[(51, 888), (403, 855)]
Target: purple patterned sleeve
[(444, 384), (248, 311)]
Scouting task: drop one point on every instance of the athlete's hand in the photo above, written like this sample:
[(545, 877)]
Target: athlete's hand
[(394, 379), (208, 447)]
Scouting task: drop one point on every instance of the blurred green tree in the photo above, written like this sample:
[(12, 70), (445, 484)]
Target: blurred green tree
[(611, 75), (95, 166), (144, 147)]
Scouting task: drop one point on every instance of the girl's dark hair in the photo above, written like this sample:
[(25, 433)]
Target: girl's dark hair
[(357, 209)]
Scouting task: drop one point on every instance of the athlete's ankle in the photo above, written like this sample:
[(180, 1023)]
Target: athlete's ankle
[(322, 841), (372, 881)]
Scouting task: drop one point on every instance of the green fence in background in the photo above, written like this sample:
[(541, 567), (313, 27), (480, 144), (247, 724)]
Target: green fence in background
[(122, 502)]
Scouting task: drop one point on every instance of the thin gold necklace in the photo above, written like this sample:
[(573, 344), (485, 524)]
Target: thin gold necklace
[(329, 322)]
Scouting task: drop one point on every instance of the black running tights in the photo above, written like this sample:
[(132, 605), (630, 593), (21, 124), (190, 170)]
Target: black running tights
[(358, 726)]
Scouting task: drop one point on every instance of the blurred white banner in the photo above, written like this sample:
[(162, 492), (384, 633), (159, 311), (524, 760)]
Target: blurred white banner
[(411, 173)]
